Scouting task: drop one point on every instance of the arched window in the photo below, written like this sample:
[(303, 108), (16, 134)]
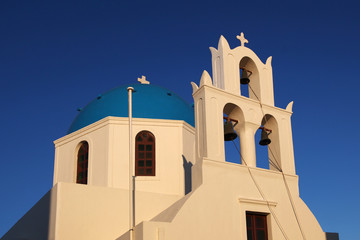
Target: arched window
[(82, 163), (145, 154)]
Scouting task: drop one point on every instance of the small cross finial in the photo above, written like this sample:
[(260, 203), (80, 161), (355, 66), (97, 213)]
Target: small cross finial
[(242, 39), (142, 80)]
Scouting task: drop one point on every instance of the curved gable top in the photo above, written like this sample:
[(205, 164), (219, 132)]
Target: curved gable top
[(149, 101), (226, 65)]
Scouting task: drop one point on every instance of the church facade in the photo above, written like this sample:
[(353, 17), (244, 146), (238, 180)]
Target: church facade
[(140, 163)]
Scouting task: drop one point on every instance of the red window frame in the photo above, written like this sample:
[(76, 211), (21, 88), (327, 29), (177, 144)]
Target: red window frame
[(145, 154), (256, 226), (82, 163)]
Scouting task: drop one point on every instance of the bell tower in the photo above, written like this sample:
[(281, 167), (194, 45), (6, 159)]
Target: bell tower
[(221, 97)]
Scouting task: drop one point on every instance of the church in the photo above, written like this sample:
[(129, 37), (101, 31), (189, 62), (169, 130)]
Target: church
[(140, 163)]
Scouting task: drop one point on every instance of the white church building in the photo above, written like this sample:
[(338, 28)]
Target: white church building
[(140, 163)]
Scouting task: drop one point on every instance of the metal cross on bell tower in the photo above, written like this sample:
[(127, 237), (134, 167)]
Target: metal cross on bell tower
[(242, 39)]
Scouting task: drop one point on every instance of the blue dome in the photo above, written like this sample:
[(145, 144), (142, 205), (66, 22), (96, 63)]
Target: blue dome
[(149, 101)]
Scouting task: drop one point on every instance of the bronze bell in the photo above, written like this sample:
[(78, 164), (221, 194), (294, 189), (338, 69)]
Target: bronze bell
[(265, 140), (229, 133), (244, 79)]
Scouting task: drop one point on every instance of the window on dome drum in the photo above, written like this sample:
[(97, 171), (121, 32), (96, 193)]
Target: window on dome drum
[(82, 163), (145, 154), (256, 226)]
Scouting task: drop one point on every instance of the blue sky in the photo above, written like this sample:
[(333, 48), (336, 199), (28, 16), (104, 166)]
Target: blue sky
[(56, 56)]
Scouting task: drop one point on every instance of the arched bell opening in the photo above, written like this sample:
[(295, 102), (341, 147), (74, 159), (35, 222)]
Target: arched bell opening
[(269, 122), (233, 119), (262, 155), (268, 147), (244, 82), (249, 78)]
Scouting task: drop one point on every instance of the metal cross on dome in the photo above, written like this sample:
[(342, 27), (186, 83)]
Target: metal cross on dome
[(143, 80), (242, 39)]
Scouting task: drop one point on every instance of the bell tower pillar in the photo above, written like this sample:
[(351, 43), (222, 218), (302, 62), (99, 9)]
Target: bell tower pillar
[(208, 121), (247, 143)]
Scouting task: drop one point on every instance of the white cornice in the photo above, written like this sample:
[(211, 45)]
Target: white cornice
[(253, 101), (258, 201), (123, 121)]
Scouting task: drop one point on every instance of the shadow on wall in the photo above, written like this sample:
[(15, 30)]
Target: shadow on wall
[(125, 236), (187, 174), (35, 224)]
